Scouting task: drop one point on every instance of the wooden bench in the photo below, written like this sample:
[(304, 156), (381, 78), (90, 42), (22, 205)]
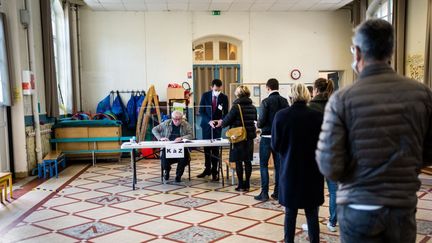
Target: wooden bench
[(50, 162), (94, 141), (5, 179)]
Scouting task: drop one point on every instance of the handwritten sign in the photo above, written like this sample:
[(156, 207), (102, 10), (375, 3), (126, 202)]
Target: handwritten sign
[(174, 151)]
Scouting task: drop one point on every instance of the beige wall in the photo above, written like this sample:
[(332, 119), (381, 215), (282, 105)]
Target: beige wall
[(132, 50), (415, 38)]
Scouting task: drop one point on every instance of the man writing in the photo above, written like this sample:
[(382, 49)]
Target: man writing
[(174, 129)]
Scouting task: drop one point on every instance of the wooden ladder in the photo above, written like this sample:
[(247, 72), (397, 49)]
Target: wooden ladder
[(150, 100)]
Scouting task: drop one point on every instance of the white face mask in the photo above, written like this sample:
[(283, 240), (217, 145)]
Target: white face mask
[(354, 66), (216, 93)]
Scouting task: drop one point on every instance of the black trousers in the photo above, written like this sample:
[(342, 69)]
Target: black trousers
[(181, 163), (312, 221), (211, 160)]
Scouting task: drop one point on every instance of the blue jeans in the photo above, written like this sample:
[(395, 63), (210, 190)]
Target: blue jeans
[(387, 224), (332, 188), (265, 151)]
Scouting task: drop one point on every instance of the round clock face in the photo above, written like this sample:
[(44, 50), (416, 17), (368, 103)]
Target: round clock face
[(295, 74)]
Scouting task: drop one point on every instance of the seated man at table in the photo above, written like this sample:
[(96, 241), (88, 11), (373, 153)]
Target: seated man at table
[(174, 129)]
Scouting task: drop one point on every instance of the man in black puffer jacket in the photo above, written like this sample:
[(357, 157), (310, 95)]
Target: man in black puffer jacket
[(376, 136), (269, 106)]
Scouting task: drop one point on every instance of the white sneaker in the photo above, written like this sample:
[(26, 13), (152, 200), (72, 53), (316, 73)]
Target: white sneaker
[(305, 227), (331, 227)]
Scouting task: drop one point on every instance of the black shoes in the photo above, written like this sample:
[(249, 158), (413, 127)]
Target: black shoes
[(215, 178), (166, 176), (202, 175), (263, 196), (274, 196), (177, 179)]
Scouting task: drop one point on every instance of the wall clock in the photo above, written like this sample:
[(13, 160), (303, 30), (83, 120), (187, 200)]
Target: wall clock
[(295, 74)]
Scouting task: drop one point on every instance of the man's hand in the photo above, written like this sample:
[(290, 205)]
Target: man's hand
[(179, 139), (211, 124), (164, 139), (219, 123)]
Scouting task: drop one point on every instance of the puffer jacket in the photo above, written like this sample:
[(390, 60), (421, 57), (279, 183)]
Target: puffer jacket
[(375, 138), (233, 118)]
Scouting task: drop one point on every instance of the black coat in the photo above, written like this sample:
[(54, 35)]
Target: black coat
[(269, 106), (295, 135), (208, 114), (242, 151)]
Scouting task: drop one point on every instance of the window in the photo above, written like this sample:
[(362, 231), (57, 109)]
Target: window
[(384, 11), (4, 71), (62, 57), (216, 50)]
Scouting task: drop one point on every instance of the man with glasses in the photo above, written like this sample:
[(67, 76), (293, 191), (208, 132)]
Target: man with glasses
[(376, 136), (174, 129)]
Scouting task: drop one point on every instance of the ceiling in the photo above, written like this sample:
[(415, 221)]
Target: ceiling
[(222, 5)]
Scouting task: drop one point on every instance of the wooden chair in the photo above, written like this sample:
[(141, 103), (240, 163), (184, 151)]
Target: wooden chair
[(5, 179), (50, 162)]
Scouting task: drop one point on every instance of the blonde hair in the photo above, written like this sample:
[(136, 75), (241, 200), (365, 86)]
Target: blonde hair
[(299, 92), (242, 91)]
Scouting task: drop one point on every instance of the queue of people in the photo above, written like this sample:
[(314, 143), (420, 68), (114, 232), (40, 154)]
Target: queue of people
[(368, 141)]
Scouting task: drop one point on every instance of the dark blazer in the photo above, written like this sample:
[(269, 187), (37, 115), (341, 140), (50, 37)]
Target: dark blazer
[(207, 114), (294, 136), (242, 151), (269, 106), (376, 136)]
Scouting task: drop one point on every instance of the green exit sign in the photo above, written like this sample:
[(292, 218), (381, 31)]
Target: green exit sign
[(216, 12)]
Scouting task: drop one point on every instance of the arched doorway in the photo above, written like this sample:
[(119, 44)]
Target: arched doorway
[(215, 57)]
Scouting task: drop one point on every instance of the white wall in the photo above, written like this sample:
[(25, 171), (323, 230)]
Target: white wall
[(131, 50)]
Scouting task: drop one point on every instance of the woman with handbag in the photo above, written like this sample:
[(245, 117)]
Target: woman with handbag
[(241, 118)]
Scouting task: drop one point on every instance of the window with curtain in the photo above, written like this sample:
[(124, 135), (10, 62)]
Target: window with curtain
[(4, 72), (62, 56)]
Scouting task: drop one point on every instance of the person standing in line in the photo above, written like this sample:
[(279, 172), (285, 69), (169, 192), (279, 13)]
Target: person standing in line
[(269, 106), (242, 152), (295, 134), (322, 90), (213, 106), (376, 136)]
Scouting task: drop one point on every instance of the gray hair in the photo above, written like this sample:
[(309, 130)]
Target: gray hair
[(375, 39), (176, 113)]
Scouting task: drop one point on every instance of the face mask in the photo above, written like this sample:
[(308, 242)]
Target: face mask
[(354, 66), (216, 93)]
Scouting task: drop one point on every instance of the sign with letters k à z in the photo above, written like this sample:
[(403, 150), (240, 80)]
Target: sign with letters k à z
[(174, 151)]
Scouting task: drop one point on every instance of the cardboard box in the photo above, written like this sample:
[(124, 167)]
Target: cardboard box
[(175, 93)]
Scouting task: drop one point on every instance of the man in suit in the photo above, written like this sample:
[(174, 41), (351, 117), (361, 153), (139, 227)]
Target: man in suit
[(213, 106)]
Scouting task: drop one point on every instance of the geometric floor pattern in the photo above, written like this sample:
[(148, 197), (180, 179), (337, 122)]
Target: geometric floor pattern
[(100, 206)]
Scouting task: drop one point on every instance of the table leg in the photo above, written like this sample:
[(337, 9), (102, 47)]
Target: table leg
[(10, 186), (220, 167), (134, 179)]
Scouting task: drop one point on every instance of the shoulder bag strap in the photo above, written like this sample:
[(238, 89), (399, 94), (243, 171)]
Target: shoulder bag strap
[(241, 116)]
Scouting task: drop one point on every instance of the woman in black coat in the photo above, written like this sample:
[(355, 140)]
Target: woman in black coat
[(295, 135), (242, 151)]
